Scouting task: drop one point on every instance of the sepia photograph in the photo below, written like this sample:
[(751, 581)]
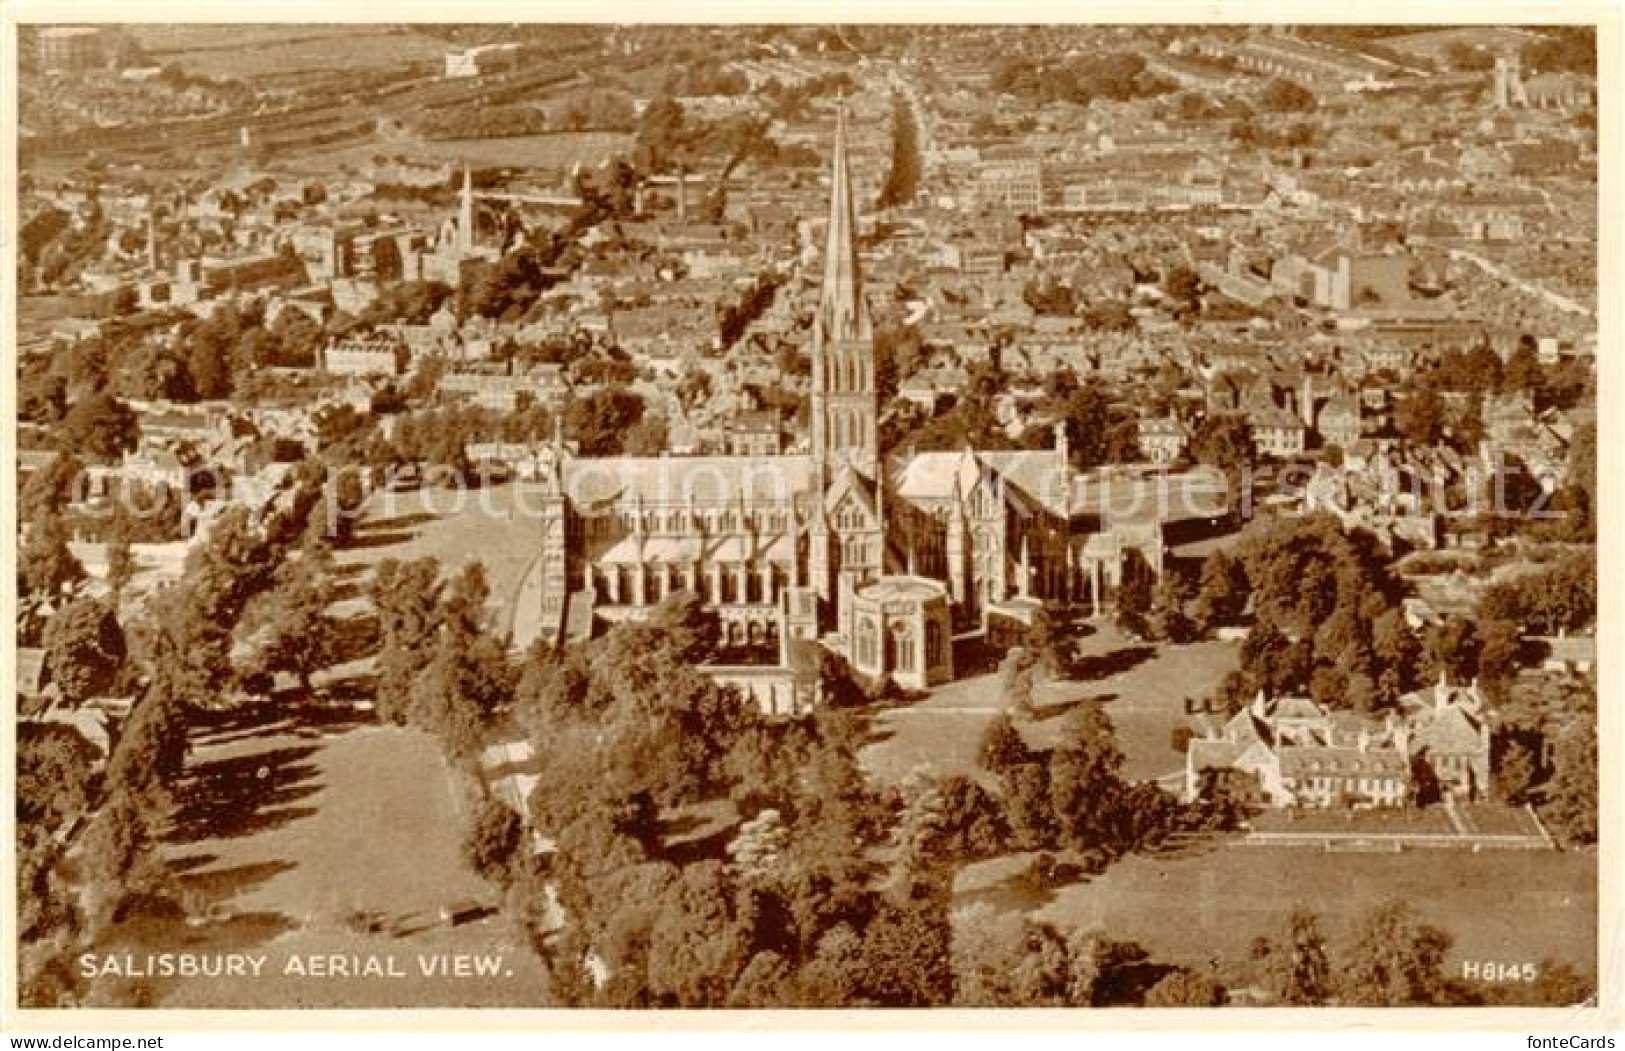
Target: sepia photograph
[(758, 516)]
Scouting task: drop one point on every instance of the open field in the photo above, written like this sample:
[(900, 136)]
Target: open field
[(938, 735), (279, 50), (556, 151), (496, 526), (1141, 686), (1209, 903), (1349, 822), (290, 826)]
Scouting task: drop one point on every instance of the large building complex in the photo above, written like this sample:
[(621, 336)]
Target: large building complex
[(879, 556)]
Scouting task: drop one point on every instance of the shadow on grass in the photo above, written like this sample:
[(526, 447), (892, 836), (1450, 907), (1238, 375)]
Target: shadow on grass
[(365, 541), (1116, 662), (221, 884), (1043, 713), (244, 794), (397, 522), (711, 846)]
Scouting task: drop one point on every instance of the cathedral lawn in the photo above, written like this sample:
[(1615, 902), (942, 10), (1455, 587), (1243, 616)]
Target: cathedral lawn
[(1512, 906), (496, 526), (1142, 687), (290, 831)]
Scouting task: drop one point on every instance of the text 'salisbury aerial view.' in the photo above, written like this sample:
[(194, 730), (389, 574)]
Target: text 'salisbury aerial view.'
[(774, 516)]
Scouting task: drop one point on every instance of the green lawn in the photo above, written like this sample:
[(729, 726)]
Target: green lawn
[(1142, 687), (259, 50), (1509, 906), (496, 526), (1431, 821), (288, 829)]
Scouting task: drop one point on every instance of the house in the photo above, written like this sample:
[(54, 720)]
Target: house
[(1447, 728), (1339, 422), (756, 434), (1162, 439), (1301, 757), (33, 676), (365, 356), (1276, 432)]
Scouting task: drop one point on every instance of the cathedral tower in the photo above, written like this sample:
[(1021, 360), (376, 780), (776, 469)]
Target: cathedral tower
[(843, 410)]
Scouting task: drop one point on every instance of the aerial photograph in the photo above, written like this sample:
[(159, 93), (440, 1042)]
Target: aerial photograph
[(663, 516)]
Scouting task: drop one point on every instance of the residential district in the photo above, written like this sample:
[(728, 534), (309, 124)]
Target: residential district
[(808, 516)]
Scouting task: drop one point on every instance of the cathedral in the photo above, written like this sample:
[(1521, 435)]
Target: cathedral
[(881, 555)]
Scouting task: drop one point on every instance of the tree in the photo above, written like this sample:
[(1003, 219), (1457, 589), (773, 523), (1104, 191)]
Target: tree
[(1420, 416), (1395, 959), (49, 491), (685, 624), (150, 750), (1002, 747), (1169, 620), (1283, 96), (601, 421), (387, 264), (100, 426), (407, 598), (905, 959), (700, 940), (1396, 650), (1224, 441), (904, 175), (1003, 959), (464, 684), (1452, 650), (1183, 987), (1018, 677), (120, 566), (119, 860), (1295, 965), (56, 774), (84, 648), (1221, 593), (1465, 58), (492, 841), (1226, 798), (947, 823), (1184, 286), (1516, 768), (297, 634), (1134, 593), (45, 566), (1571, 793)]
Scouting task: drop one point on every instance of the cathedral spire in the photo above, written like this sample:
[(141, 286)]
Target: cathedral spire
[(465, 216), (841, 310)]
